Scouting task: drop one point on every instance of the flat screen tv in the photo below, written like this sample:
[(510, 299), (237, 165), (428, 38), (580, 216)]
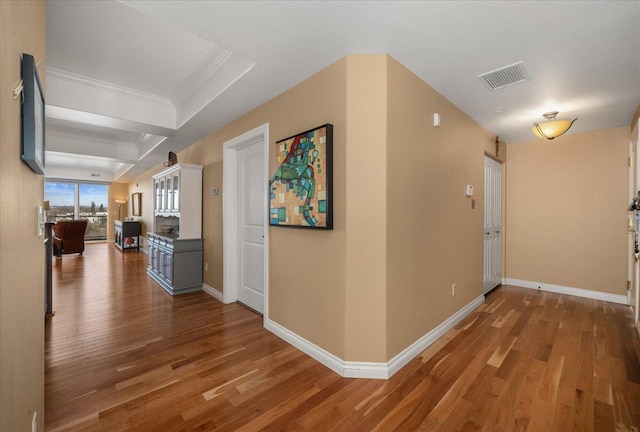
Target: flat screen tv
[(33, 143)]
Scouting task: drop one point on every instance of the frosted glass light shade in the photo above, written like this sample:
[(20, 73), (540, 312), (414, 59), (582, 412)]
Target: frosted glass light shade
[(552, 128)]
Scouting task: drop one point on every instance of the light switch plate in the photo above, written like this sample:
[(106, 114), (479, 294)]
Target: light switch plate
[(40, 220)]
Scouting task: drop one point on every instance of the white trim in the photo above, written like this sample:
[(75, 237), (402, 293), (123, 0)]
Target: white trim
[(372, 370), (85, 97), (205, 70), (325, 357), (221, 77), (409, 353), (560, 289), (83, 81), (212, 292), (229, 223), (230, 227)]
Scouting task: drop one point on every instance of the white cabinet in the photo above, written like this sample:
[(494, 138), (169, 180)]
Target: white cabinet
[(178, 200)]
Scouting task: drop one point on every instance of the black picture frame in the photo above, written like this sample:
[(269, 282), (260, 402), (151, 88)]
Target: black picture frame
[(33, 134), (301, 188)]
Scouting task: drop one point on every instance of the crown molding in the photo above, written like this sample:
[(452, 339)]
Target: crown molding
[(85, 82), (200, 75)]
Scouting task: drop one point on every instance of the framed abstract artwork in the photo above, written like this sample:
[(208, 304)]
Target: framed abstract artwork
[(301, 188)]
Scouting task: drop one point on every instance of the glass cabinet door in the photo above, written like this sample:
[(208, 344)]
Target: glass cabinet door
[(158, 196), (169, 194), (176, 188), (163, 195)]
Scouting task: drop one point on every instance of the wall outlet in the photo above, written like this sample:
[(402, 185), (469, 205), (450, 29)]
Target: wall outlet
[(34, 422), (453, 289), (205, 267)]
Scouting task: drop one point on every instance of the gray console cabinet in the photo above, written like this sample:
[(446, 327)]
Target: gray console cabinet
[(174, 263)]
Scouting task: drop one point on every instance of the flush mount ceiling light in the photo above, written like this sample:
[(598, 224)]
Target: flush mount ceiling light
[(551, 128)]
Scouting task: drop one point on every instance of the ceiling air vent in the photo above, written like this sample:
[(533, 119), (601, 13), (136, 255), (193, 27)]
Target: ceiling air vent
[(505, 77)]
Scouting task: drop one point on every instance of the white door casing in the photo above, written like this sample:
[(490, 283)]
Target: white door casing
[(492, 238), (235, 249)]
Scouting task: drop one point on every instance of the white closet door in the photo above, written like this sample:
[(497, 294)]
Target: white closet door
[(492, 273)]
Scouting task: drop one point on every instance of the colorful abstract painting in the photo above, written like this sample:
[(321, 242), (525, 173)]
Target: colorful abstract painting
[(300, 191)]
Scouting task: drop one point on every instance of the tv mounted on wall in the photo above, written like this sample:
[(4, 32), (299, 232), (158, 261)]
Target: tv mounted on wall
[(33, 143)]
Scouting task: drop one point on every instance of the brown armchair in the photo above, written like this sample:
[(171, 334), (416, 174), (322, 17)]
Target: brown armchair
[(68, 237)]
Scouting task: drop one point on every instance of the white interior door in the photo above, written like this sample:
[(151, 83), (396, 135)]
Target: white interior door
[(250, 212), (492, 271)]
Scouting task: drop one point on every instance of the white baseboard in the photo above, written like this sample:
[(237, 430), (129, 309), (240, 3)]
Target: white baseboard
[(212, 292), (560, 289), (373, 370), (409, 353), (309, 348)]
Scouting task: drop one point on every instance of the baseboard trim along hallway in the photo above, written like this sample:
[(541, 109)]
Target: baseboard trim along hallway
[(373, 370), (560, 289)]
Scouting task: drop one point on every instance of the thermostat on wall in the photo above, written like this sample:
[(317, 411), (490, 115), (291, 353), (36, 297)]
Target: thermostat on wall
[(469, 190)]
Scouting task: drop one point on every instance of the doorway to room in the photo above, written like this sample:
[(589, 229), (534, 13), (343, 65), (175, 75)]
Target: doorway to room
[(245, 237)]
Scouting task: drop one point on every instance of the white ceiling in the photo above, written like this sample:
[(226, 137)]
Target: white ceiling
[(127, 81)]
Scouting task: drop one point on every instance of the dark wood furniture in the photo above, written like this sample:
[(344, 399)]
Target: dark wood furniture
[(127, 235), (68, 237)]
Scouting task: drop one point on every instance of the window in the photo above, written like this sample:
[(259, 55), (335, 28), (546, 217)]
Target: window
[(80, 201)]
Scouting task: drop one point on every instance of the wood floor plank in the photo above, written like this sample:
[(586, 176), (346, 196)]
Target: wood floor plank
[(123, 355)]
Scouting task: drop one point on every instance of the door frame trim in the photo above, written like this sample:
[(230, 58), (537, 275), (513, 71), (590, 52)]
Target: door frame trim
[(229, 212)]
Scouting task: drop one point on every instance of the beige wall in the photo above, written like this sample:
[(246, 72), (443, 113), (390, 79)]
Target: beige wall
[(566, 209), (146, 208), (382, 277), (22, 258), (366, 219), (117, 191), (313, 305), (434, 236)]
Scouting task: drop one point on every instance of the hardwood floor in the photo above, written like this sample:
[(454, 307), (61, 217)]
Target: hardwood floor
[(122, 355)]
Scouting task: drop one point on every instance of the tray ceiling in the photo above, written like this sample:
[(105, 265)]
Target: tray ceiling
[(127, 81)]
